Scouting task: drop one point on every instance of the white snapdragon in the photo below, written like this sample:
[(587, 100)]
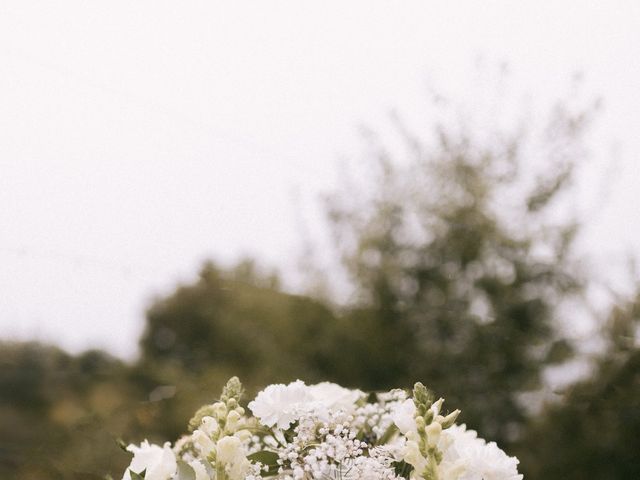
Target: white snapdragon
[(231, 453), (199, 470), (203, 443), (404, 416), (413, 456), (158, 463)]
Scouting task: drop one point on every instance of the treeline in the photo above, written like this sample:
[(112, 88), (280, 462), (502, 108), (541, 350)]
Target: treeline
[(461, 267), (61, 416)]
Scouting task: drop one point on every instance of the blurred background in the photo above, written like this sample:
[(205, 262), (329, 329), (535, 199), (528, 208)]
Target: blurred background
[(372, 193)]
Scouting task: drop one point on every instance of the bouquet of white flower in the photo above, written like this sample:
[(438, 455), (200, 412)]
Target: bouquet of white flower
[(323, 431)]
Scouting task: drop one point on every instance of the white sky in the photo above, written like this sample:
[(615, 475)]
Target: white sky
[(139, 137)]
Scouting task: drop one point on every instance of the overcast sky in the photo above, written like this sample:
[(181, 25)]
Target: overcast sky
[(139, 137)]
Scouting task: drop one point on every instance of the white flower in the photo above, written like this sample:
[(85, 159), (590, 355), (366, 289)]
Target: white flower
[(209, 425), (158, 462), (231, 453), (199, 469), (404, 416), (334, 396), (474, 459), (229, 450), (413, 456), (335, 434), (281, 405), (203, 443)]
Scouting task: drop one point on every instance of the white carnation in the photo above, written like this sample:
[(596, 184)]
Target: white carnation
[(335, 397), (471, 458), (158, 462), (281, 405)]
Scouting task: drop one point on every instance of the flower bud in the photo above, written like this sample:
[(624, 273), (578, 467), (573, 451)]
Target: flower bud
[(450, 419), (228, 449), (209, 426), (220, 410), (437, 406), (413, 456), (433, 433), (232, 421), (244, 435), (203, 443)]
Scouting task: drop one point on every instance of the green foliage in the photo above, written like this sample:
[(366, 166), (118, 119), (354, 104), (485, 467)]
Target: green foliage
[(232, 322), (60, 414), (137, 476), (594, 430), (267, 458), (239, 326)]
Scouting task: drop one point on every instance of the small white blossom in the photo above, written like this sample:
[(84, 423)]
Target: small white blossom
[(199, 469), (159, 463), (203, 443), (404, 416)]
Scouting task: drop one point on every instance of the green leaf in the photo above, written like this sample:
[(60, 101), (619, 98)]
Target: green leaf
[(138, 476), (402, 469), (185, 471), (122, 445), (386, 436), (267, 458), (560, 351)]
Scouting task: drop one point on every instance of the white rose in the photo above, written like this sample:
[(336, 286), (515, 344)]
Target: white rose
[(159, 463)]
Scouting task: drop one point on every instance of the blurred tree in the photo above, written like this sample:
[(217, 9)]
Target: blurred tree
[(60, 414), (458, 265), (240, 321), (232, 322), (594, 430)]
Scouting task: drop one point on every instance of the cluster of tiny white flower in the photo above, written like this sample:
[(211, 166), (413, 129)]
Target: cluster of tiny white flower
[(323, 431)]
